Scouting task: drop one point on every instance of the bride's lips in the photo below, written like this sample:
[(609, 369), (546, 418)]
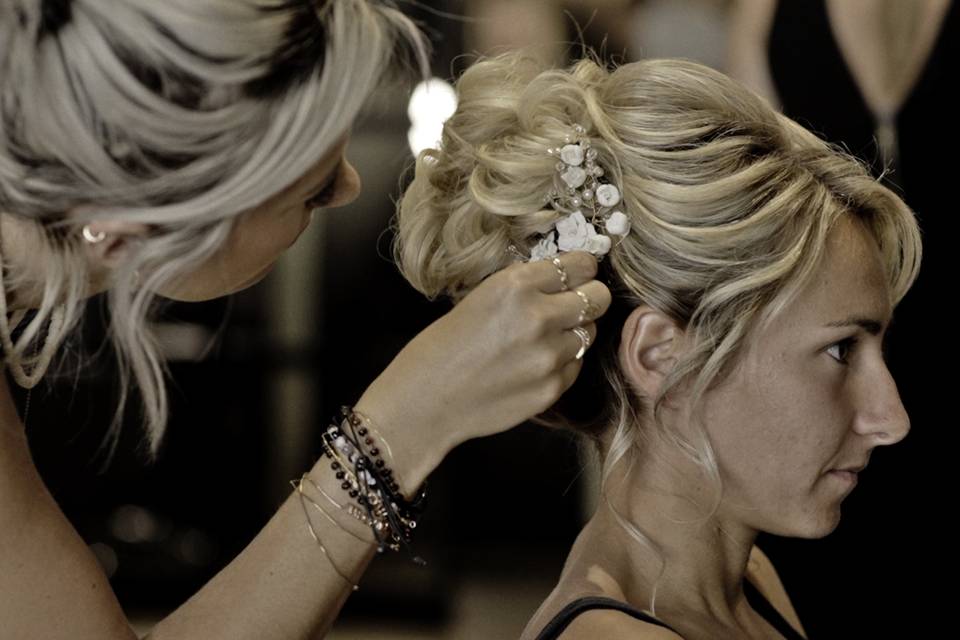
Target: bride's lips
[(846, 476)]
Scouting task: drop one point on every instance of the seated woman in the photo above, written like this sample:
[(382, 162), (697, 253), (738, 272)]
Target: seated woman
[(754, 270)]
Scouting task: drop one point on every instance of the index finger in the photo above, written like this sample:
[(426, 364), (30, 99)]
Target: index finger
[(580, 267)]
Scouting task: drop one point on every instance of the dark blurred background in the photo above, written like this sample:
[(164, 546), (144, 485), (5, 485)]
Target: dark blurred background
[(256, 377)]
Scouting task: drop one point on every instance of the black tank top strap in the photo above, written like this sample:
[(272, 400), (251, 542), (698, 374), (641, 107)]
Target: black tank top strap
[(562, 620)]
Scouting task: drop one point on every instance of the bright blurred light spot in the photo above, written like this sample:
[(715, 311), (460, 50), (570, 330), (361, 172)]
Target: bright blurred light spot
[(432, 102)]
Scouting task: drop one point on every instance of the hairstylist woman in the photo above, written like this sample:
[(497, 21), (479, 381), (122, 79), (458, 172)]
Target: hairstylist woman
[(178, 148)]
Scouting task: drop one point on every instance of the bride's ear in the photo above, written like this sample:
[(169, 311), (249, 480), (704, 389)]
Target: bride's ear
[(649, 342)]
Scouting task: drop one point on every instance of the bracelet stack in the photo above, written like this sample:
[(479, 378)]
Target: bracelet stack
[(357, 461)]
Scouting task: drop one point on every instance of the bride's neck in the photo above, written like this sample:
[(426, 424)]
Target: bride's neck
[(705, 559)]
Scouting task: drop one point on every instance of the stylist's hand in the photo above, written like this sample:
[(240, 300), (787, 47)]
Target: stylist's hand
[(505, 353)]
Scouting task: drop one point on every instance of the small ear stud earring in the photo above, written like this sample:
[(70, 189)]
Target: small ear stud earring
[(93, 238)]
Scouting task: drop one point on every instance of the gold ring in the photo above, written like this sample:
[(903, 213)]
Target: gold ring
[(587, 307), (562, 272)]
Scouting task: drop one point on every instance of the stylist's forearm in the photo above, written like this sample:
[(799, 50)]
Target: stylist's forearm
[(282, 586)]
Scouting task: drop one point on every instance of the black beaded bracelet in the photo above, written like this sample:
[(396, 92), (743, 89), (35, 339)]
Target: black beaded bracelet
[(372, 483)]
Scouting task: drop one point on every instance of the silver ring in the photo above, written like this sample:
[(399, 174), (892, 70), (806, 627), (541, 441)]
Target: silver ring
[(584, 336), (91, 237), (562, 272)]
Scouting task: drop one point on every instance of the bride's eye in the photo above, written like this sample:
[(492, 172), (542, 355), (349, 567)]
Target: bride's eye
[(843, 348)]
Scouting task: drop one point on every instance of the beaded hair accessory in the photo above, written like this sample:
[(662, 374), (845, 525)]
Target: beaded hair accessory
[(589, 200)]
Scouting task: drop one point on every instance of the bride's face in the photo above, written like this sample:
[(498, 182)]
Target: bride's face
[(813, 394)]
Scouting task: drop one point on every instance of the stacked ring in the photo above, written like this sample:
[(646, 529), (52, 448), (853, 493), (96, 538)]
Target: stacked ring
[(584, 341)]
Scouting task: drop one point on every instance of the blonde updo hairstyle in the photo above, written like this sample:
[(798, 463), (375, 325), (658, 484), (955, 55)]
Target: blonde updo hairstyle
[(730, 205)]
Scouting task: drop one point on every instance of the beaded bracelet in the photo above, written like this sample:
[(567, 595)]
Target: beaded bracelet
[(372, 483), (375, 512), (352, 485)]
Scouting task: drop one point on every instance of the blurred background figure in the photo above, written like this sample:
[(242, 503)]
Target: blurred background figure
[(504, 510), (623, 30)]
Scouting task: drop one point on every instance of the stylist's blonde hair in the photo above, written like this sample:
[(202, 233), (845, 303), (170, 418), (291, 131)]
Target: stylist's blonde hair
[(730, 203), (180, 114)]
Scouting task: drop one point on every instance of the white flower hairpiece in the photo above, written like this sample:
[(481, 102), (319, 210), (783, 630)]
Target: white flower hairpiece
[(587, 201)]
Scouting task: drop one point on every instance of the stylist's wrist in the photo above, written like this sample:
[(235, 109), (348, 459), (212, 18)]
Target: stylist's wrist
[(407, 431)]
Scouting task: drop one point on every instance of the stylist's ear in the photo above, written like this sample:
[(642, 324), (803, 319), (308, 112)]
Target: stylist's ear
[(108, 242), (648, 344)]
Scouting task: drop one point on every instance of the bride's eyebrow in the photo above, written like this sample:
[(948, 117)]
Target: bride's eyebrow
[(870, 325)]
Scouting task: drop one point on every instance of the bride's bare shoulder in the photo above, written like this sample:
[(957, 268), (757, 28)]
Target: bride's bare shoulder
[(614, 625), (592, 570), (609, 624), (583, 580)]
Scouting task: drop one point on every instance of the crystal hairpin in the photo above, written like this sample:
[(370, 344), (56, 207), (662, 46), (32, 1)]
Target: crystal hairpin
[(589, 201)]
